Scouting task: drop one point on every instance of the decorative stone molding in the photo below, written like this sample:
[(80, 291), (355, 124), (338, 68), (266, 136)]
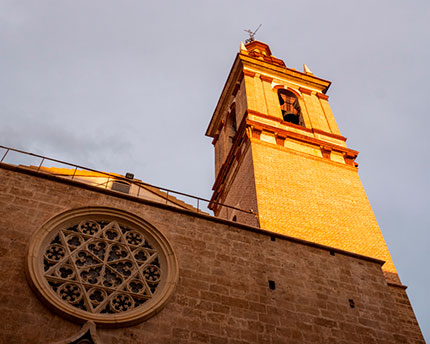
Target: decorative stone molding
[(349, 158), (86, 335), (305, 91), (266, 78), (296, 92), (322, 96), (236, 89), (215, 139), (326, 152), (256, 133), (248, 73), (103, 265), (280, 139)]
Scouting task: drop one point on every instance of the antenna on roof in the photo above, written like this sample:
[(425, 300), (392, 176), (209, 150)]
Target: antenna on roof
[(251, 34)]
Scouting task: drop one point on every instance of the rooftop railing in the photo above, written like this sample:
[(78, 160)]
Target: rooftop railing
[(106, 180)]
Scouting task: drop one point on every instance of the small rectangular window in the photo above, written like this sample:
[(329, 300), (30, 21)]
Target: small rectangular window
[(272, 285)]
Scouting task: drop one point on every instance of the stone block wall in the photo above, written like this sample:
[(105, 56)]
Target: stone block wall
[(223, 295)]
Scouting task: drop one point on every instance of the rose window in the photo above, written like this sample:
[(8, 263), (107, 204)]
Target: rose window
[(110, 269)]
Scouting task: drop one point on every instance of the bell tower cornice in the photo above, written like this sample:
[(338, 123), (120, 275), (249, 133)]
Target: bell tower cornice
[(261, 68), (253, 129), (256, 56)]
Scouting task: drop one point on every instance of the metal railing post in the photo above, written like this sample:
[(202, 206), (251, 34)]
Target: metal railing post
[(40, 165), (4, 156), (74, 172)]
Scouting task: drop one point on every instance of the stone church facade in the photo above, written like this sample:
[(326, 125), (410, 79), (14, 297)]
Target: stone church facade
[(297, 258)]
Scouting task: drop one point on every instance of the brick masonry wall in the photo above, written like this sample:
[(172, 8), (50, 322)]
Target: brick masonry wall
[(316, 200), (241, 191), (222, 295)]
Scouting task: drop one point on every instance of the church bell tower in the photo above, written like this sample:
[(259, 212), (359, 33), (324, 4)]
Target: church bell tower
[(279, 152)]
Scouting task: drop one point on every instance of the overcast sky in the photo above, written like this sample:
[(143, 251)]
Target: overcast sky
[(130, 86)]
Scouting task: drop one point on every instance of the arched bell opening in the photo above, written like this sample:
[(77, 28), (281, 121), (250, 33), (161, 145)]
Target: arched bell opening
[(231, 127), (290, 107)]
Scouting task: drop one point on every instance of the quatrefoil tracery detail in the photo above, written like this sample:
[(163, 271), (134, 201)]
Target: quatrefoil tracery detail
[(102, 267)]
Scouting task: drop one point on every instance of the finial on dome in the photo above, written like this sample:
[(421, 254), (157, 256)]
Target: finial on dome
[(306, 69)]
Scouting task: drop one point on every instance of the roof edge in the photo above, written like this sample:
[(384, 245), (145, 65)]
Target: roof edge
[(189, 212)]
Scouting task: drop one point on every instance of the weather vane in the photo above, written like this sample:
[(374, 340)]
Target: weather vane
[(251, 34)]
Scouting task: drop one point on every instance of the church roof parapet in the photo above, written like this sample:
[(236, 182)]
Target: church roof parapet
[(106, 181)]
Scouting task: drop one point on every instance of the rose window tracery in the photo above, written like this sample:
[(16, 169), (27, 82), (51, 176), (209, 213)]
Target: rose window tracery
[(103, 268)]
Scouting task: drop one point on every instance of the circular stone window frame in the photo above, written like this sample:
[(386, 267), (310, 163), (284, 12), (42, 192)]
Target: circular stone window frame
[(39, 284)]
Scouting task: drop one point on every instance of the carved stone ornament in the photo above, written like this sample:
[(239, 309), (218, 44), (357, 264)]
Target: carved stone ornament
[(86, 335), (101, 264)]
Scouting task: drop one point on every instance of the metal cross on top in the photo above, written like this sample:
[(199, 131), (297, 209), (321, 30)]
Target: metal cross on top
[(251, 34)]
